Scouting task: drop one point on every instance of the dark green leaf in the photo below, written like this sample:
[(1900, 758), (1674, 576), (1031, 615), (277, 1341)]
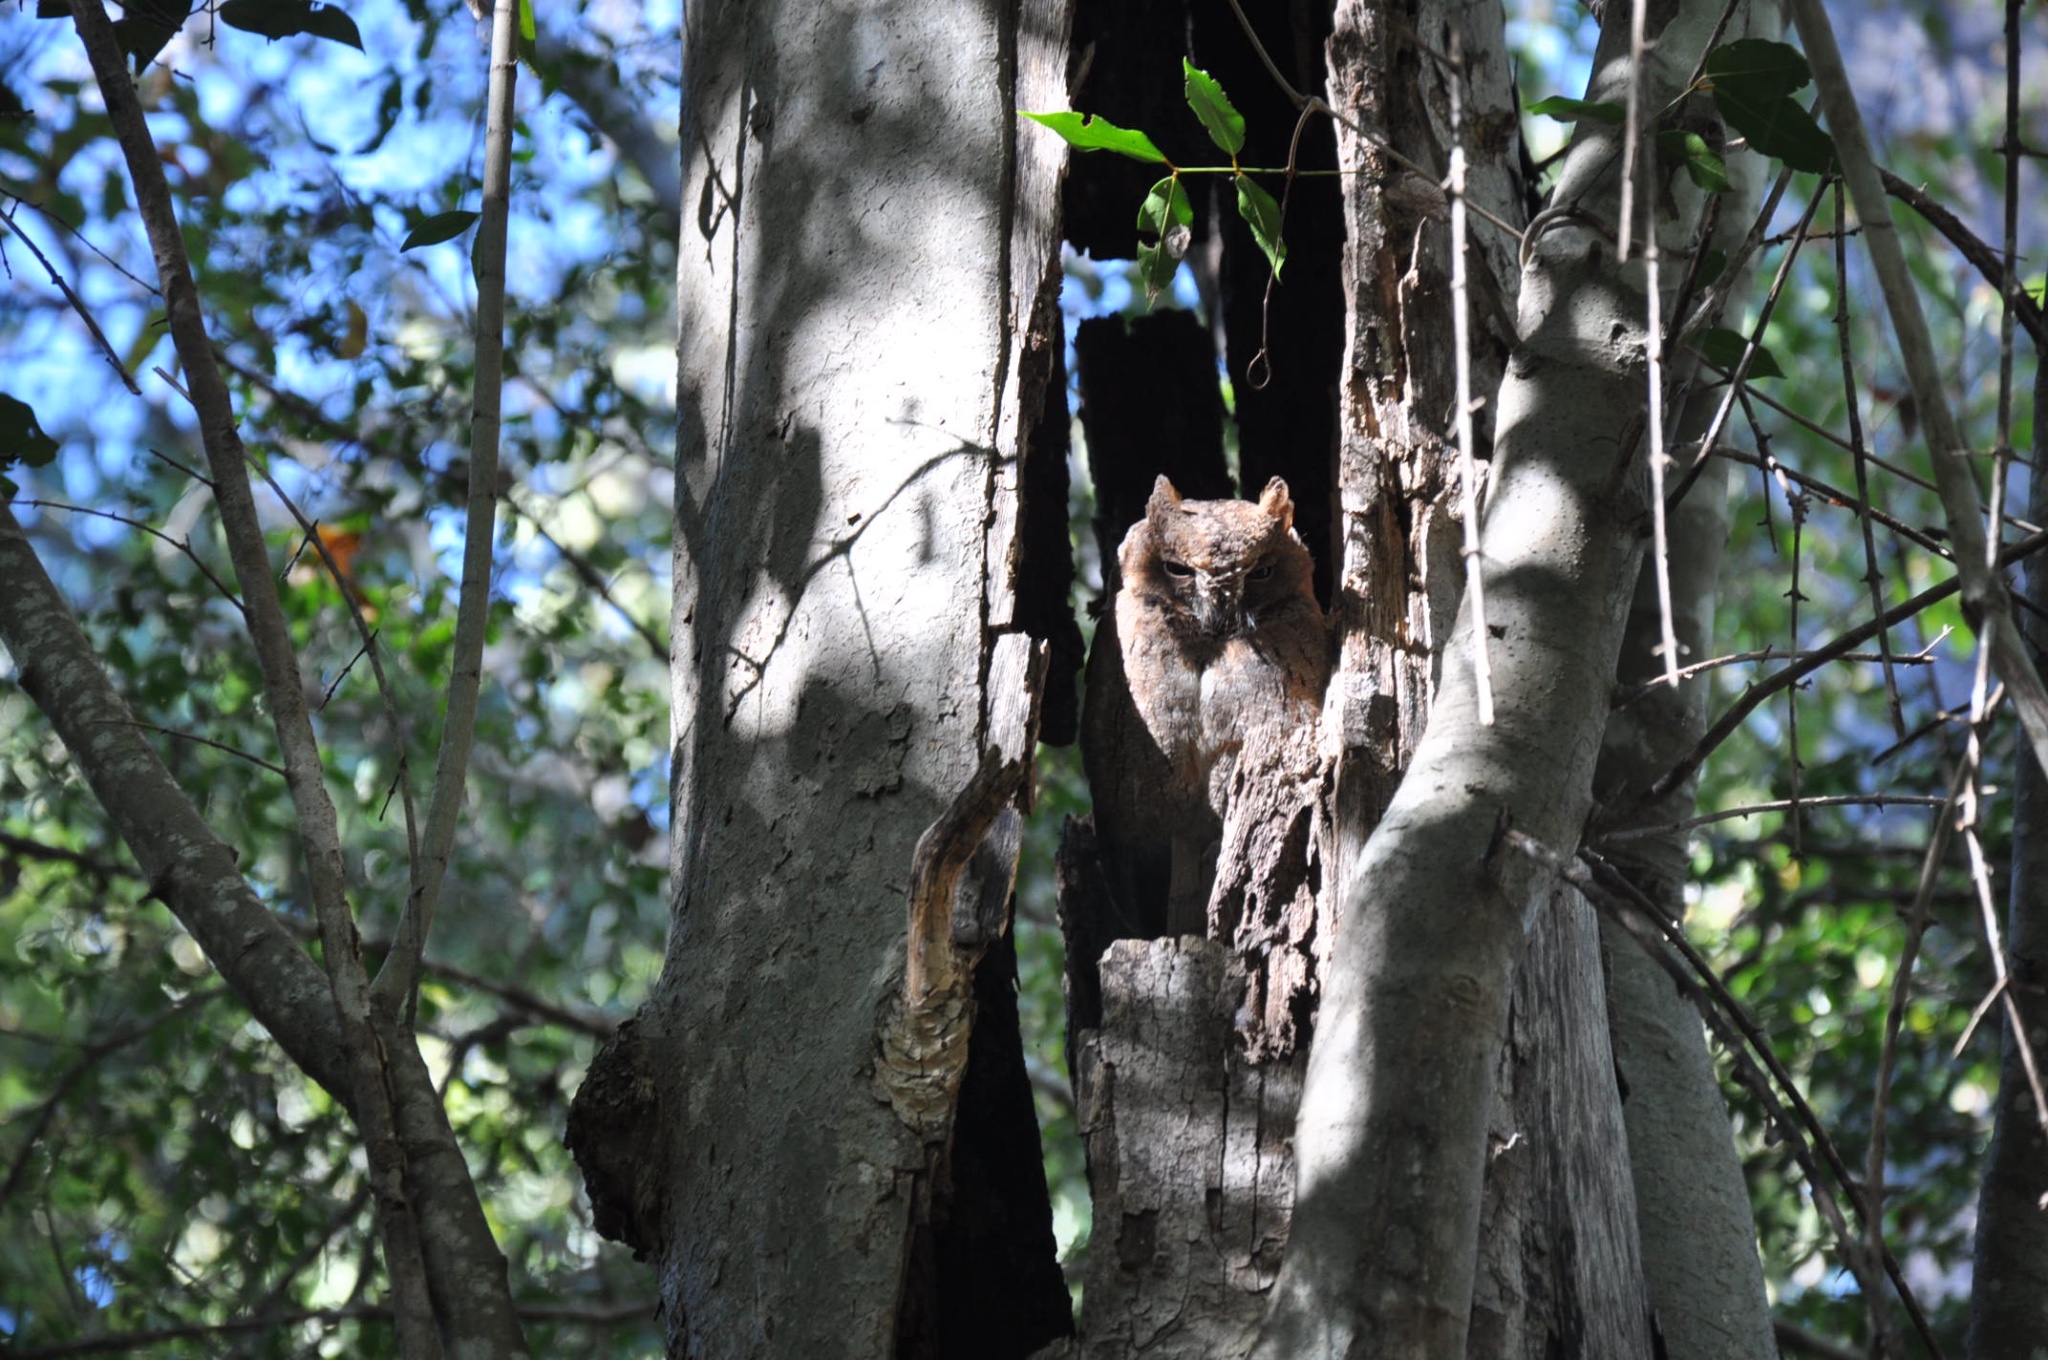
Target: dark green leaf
[(1700, 162), (1781, 129), (1165, 215), (1724, 347), (21, 437), (1224, 123), (1568, 110), (431, 231), (1262, 215), (142, 37), (1758, 69), (288, 18), (1754, 81), (1099, 134), (1712, 265)]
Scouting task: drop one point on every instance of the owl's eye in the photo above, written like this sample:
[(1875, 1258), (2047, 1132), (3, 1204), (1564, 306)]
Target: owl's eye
[(1262, 572), (1179, 571)]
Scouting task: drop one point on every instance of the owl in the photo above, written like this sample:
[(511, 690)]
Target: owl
[(1226, 655)]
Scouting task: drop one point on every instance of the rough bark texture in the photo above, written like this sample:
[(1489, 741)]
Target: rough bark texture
[(1401, 573), (1394, 1123), (1559, 1272), (2009, 1307), (1188, 1156), (1188, 1129), (866, 338)]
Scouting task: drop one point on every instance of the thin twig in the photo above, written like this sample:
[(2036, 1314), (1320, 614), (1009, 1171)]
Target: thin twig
[(123, 270), (1984, 594), (1916, 921), (1737, 379), (1982, 257), (1877, 800), (396, 987), (1872, 577), (77, 305), (1814, 660), (1638, 693), (1795, 502), (1461, 347), (236, 751), (183, 545), (367, 639), (1834, 495)]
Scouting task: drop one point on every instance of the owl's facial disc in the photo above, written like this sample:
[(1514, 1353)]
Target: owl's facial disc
[(1219, 603)]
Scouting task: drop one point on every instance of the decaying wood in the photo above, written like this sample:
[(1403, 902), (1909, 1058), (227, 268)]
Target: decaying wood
[(1188, 1152)]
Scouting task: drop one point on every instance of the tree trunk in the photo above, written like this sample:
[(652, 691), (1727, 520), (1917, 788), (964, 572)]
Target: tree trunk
[(868, 285), (1438, 904), (2009, 1306)]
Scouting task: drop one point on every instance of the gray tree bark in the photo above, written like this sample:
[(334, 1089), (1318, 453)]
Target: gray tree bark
[(1393, 1135), (1705, 1281), (867, 287), (2009, 1306)]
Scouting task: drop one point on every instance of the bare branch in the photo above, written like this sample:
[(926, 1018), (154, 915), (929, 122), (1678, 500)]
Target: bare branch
[(1984, 595), (1872, 577), (318, 827), (1461, 347), (1877, 800), (180, 857), (1814, 660), (77, 304), (398, 980)]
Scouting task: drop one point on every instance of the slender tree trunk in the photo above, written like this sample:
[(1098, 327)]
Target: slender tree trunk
[(1698, 1236), (2009, 1305), (1437, 905)]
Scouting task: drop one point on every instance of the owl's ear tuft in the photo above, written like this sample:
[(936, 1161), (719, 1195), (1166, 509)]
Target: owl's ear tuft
[(1275, 501), (1164, 497)]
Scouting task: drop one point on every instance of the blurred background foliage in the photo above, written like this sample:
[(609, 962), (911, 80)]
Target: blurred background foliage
[(162, 1168)]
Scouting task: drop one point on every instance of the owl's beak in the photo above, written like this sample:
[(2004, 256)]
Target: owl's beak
[(1219, 605)]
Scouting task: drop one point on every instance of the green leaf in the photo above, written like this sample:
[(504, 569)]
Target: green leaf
[(1781, 129), (526, 30), (1084, 133), (1712, 266), (275, 19), (1224, 123), (1724, 347), (1165, 215), (1760, 70), (21, 436), (431, 231), (1753, 82), (1262, 215), (1567, 110), (1705, 168), (142, 38)]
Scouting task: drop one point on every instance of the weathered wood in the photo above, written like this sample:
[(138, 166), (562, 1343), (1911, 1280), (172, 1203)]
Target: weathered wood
[(1188, 1155), (1559, 1260), (867, 340)]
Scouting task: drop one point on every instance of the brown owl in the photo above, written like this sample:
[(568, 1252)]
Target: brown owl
[(1225, 652)]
